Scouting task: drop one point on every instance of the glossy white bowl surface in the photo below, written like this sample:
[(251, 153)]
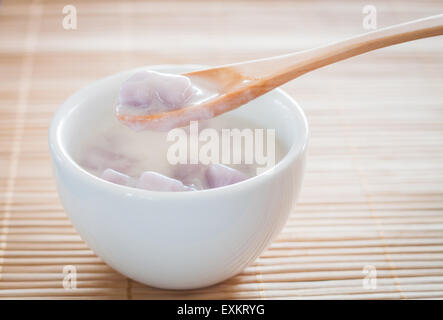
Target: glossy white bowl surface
[(177, 240)]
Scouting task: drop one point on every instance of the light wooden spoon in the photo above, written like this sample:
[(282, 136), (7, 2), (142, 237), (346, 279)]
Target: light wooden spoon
[(241, 82)]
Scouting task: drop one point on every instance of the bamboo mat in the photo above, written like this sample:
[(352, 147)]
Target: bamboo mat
[(373, 191)]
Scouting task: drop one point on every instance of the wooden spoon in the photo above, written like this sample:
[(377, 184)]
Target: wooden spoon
[(241, 82)]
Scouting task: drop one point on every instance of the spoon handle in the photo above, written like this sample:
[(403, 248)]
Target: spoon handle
[(278, 70)]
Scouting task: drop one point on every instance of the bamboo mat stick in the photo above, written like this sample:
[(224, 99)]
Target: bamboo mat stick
[(373, 191)]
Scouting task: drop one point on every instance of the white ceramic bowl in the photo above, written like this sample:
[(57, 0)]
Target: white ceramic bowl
[(177, 240)]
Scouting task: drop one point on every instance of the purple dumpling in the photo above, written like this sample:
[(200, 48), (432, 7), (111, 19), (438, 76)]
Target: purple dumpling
[(218, 175), (154, 181)]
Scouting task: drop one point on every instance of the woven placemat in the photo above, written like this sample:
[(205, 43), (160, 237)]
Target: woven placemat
[(372, 201)]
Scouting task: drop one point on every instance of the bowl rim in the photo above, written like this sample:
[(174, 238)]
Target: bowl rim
[(59, 153)]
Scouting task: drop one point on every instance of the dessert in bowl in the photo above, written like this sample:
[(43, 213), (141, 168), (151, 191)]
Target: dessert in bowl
[(166, 239)]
